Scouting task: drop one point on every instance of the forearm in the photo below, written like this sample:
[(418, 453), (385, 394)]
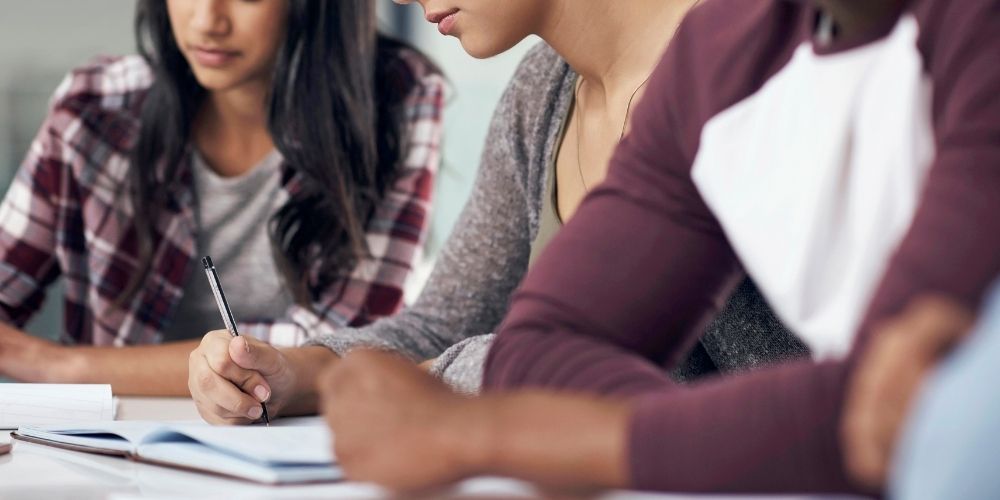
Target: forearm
[(155, 370), (556, 441), (771, 430), (149, 370), (306, 363)]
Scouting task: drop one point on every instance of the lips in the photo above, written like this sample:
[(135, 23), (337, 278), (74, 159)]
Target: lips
[(213, 57), (444, 19), (437, 17)]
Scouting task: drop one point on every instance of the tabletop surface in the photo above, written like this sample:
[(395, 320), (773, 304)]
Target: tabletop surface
[(32, 471)]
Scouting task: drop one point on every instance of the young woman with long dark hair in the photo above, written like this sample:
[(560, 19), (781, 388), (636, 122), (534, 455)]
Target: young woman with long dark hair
[(286, 138)]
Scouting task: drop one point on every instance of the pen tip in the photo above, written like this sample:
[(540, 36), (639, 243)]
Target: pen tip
[(206, 261)]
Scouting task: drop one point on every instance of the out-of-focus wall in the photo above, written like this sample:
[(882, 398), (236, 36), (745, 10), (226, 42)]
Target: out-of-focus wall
[(477, 85), (40, 41)]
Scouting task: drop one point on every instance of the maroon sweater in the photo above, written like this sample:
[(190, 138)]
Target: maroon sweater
[(846, 178)]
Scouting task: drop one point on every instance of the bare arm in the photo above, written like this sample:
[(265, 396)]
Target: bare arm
[(438, 436), (155, 370)]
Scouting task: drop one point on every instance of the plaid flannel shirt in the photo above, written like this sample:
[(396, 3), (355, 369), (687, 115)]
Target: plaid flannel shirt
[(68, 213)]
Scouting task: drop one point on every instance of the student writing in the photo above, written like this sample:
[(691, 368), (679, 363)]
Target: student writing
[(563, 113), (285, 138)]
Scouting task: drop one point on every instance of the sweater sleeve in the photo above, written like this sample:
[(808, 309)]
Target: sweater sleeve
[(624, 286), (483, 259)]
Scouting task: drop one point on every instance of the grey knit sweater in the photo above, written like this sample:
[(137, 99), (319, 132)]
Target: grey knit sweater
[(486, 255)]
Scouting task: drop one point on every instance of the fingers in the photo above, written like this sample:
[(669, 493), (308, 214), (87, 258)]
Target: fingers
[(228, 404), (224, 392), (252, 354), (217, 357), (938, 323), (889, 375), (428, 365)]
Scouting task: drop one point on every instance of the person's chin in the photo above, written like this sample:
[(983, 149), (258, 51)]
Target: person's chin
[(215, 81), (480, 50)]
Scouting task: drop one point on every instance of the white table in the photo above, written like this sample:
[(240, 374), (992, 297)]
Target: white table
[(32, 471)]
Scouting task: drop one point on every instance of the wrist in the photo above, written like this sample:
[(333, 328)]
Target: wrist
[(302, 366), (471, 434), (72, 365), (56, 363), (31, 359)]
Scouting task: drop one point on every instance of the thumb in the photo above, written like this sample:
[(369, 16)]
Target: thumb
[(252, 354)]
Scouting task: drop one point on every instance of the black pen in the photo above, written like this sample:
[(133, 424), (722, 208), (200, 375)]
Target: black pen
[(227, 313)]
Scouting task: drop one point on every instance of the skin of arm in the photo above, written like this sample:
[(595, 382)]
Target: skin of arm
[(154, 370), (889, 375), (405, 429)]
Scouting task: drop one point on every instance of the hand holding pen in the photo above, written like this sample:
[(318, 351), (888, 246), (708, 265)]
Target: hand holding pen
[(227, 313)]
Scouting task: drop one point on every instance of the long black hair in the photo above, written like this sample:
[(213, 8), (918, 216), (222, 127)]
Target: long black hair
[(336, 113)]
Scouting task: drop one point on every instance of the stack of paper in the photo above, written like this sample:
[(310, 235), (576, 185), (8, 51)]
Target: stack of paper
[(30, 404)]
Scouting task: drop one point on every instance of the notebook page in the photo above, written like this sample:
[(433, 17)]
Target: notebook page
[(194, 455), (266, 445), (38, 404)]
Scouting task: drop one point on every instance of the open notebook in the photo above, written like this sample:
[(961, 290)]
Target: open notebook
[(30, 404), (297, 452)]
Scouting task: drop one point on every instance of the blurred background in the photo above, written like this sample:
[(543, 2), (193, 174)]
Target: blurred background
[(43, 39)]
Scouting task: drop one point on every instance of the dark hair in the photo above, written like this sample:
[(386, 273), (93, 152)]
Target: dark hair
[(335, 113)]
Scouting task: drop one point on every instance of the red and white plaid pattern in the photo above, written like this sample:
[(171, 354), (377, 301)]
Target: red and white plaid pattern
[(68, 213)]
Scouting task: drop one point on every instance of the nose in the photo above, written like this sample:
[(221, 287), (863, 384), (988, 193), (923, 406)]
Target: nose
[(211, 17)]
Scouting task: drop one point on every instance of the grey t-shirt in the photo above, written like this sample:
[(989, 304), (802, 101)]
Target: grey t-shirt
[(232, 215)]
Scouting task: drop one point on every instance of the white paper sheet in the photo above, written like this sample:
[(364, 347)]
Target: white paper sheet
[(39, 404)]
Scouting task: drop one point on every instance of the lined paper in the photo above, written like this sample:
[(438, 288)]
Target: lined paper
[(37, 404)]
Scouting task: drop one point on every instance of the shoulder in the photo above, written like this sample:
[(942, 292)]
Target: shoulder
[(100, 102), (104, 84), (538, 64), (541, 89), (954, 33), (524, 131), (539, 79), (93, 117), (723, 52), (733, 46)]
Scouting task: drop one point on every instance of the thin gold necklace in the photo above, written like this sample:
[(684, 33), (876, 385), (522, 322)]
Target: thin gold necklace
[(580, 120), (628, 107)]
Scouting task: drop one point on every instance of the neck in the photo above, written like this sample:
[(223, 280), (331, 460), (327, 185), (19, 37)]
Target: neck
[(858, 17), (612, 45), (237, 112), (231, 129)]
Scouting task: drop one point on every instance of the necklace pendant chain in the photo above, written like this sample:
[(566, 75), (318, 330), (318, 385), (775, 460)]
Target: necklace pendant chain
[(580, 120), (628, 109)]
